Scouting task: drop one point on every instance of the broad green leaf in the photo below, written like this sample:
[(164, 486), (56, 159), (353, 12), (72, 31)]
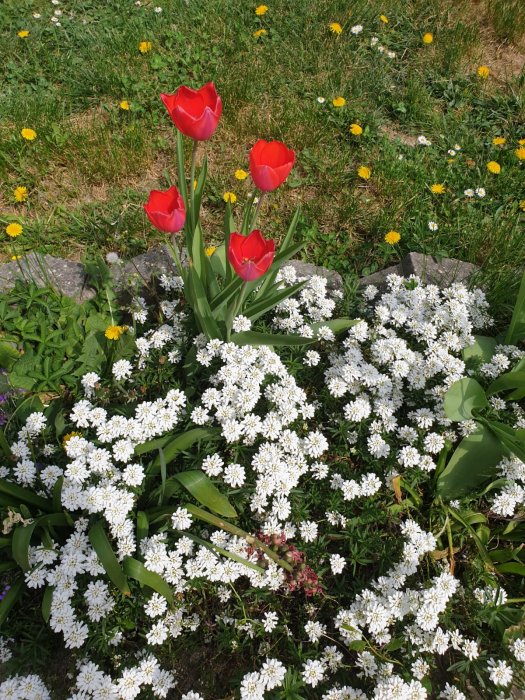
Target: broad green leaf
[(136, 570), (152, 445), (516, 331), (512, 567), (181, 443), (109, 561), (336, 325), (10, 598), (4, 445), (22, 536), (201, 308), (18, 494), (483, 349), (473, 462), (218, 261), (205, 492), (462, 398), (8, 354)]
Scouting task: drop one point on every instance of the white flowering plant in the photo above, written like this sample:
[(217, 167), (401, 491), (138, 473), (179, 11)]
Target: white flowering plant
[(279, 511)]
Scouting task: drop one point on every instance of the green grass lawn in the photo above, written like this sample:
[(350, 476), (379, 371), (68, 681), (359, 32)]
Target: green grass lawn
[(92, 164)]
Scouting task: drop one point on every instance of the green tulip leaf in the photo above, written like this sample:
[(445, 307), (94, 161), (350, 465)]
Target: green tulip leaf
[(474, 461), (462, 398), (205, 492)]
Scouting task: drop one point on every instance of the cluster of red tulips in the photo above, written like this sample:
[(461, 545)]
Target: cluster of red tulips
[(196, 114)]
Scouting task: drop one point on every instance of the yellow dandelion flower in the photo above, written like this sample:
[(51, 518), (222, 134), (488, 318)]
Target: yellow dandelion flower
[(261, 10), (383, 19), (483, 72), (335, 27), (522, 204), (16, 257), (392, 237), (260, 32), (68, 437), (195, 184), (364, 172), (356, 130), (28, 134), (427, 38), (23, 33), (498, 140), (520, 153), (14, 230), (437, 188), (241, 174), (124, 105), (339, 102), (521, 142), (210, 250), (229, 197), (114, 332), (20, 194), (494, 167), (145, 46)]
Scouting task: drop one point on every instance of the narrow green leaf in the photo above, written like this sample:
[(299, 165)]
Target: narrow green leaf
[(162, 460), (205, 492), (224, 552), (201, 182), (181, 443), (506, 382), (277, 339), (511, 438), (18, 494), (202, 310), (270, 279), (479, 544), (516, 331), (142, 526), (259, 308), (102, 546), (22, 536), (10, 598), (47, 599), (4, 445), (136, 570), (462, 398)]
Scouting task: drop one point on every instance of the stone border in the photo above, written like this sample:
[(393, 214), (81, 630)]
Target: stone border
[(69, 278)]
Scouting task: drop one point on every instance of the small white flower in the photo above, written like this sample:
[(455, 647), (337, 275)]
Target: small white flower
[(356, 29), (432, 226), (480, 191), (158, 10), (337, 563), (451, 152), (321, 100), (469, 192)]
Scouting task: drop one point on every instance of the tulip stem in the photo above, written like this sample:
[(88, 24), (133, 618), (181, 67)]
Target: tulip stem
[(235, 308), (192, 185), (256, 215)]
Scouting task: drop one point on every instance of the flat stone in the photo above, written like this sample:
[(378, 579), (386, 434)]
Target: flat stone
[(441, 272), (304, 269), (139, 271), (66, 277)]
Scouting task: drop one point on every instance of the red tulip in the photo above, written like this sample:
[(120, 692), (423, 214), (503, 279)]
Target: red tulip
[(270, 164), (166, 210), (250, 256), (195, 112)]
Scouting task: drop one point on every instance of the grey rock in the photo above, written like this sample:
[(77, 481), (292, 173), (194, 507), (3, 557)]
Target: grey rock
[(441, 272), (304, 269), (139, 271), (67, 278)]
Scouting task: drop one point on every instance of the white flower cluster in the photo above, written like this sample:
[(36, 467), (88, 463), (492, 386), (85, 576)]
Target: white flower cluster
[(25, 470), (93, 684), (377, 611), (248, 376), (412, 344), (512, 495), (313, 303), (102, 479), (255, 684)]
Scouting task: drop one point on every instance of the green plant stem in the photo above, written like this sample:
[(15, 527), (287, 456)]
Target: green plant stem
[(257, 209), (175, 254), (235, 308), (192, 187)]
